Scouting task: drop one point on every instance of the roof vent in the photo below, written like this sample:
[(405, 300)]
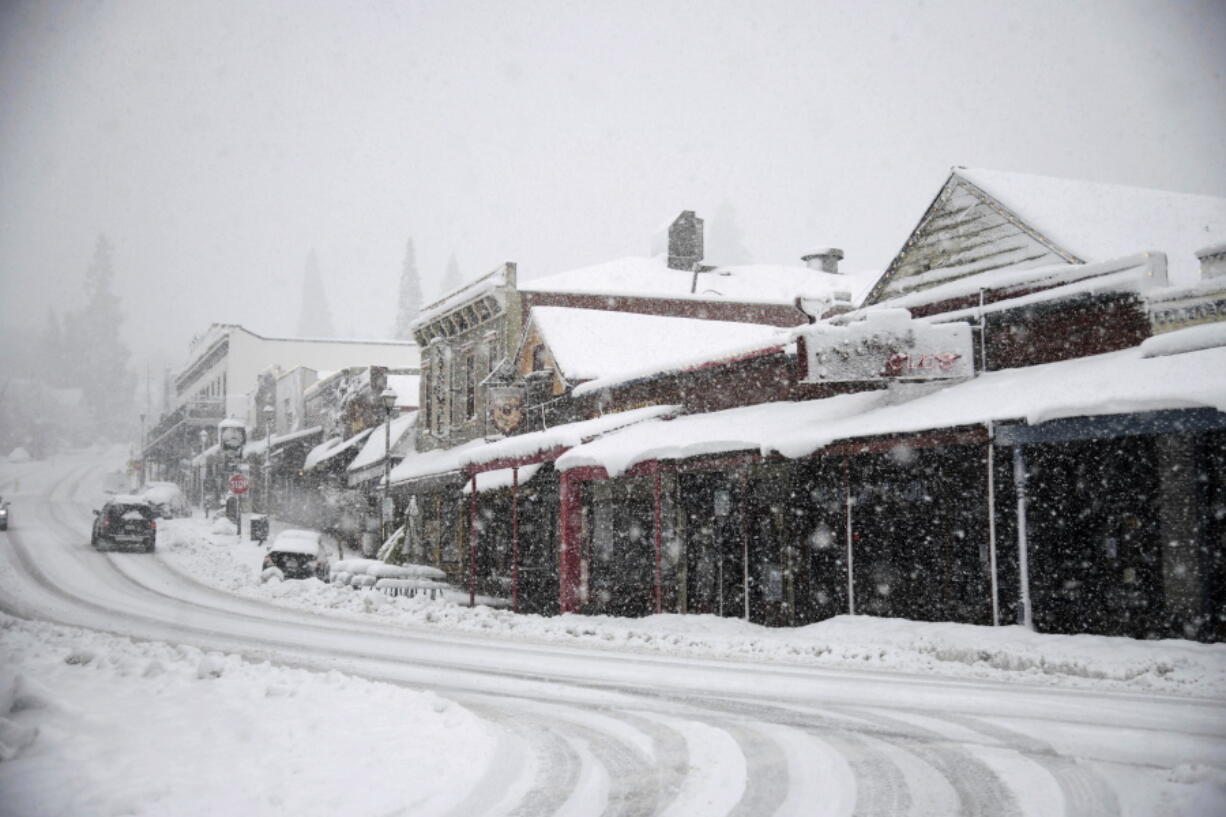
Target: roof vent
[(825, 259)]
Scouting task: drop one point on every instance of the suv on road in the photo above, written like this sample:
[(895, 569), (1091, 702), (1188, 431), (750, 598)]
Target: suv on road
[(125, 521)]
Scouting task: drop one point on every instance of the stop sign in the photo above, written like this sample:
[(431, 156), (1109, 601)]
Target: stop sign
[(239, 484)]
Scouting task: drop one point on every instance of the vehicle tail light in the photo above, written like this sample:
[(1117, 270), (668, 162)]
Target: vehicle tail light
[(153, 524)]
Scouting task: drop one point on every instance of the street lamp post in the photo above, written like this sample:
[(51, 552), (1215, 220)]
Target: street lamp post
[(204, 470), (142, 450), (388, 398), (269, 413)]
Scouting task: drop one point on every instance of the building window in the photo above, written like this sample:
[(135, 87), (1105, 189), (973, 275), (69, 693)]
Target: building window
[(470, 396)]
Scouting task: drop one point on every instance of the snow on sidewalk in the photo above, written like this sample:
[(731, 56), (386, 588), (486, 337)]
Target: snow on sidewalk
[(92, 723), (859, 642)]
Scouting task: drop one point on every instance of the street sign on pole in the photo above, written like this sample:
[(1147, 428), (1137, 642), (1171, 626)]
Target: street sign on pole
[(239, 484)]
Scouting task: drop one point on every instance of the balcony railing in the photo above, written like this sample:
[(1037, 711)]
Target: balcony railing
[(199, 412)]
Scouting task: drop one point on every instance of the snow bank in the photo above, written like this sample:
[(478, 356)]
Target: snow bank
[(862, 642), (98, 724)]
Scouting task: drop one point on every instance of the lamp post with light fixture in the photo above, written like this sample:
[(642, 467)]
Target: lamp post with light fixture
[(204, 470), (269, 412), (388, 398)]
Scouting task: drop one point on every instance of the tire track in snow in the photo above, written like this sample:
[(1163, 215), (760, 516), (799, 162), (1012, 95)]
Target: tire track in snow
[(1086, 793), (977, 786)]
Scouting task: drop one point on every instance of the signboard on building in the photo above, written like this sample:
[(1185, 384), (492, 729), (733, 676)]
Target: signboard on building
[(887, 345), (1187, 308), (232, 436), (506, 407)]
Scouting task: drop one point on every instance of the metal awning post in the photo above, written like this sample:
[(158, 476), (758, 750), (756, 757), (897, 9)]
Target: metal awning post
[(992, 525), (472, 545), (1023, 557), (851, 556), (658, 519), (515, 540), (744, 512)]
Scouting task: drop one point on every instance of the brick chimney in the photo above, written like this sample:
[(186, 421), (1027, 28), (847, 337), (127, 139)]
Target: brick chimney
[(824, 259), (685, 242)]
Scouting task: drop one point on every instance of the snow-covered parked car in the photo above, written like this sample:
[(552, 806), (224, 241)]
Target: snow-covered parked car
[(125, 520), (296, 554), (167, 500)]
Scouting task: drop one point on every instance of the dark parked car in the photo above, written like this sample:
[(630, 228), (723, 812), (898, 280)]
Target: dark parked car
[(296, 554), (4, 515), (125, 521)]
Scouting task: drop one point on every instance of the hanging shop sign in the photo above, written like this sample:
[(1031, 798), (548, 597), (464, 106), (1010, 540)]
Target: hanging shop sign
[(232, 435), (506, 407), (887, 345)]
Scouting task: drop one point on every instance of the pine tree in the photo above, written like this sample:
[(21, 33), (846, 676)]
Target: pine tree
[(51, 358), (94, 353), (315, 320), (451, 278), (410, 294)]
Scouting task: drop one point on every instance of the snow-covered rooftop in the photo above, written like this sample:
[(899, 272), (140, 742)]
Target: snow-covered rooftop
[(1176, 372), (374, 450), (331, 447), (590, 343), (652, 277), (1100, 221)]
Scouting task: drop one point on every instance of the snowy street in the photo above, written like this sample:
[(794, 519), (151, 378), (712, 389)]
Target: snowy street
[(155, 692)]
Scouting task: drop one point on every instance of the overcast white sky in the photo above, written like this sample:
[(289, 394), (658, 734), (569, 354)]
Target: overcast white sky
[(217, 142)]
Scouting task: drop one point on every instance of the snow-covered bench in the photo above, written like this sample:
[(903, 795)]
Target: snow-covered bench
[(394, 580), (411, 587)]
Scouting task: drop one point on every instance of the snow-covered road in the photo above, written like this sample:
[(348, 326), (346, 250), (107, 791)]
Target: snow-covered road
[(574, 730)]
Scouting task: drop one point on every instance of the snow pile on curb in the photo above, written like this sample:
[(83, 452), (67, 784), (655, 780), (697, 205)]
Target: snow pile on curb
[(860, 642), (154, 728)]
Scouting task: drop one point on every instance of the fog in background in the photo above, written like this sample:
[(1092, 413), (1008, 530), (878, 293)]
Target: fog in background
[(218, 143)]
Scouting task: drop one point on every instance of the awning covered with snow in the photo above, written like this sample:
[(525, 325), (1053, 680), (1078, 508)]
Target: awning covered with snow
[(369, 462), (329, 449), (502, 478), (1160, 375), (523, 449)]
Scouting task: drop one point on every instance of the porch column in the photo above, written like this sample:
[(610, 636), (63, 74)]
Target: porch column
[(569, 556), (659, 570), (515, 540), (472, 544), (1023, 560)]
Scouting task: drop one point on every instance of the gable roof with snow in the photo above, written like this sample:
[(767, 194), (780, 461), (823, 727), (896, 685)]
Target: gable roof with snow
[(589, 344), (643, 277), (986, 220)]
